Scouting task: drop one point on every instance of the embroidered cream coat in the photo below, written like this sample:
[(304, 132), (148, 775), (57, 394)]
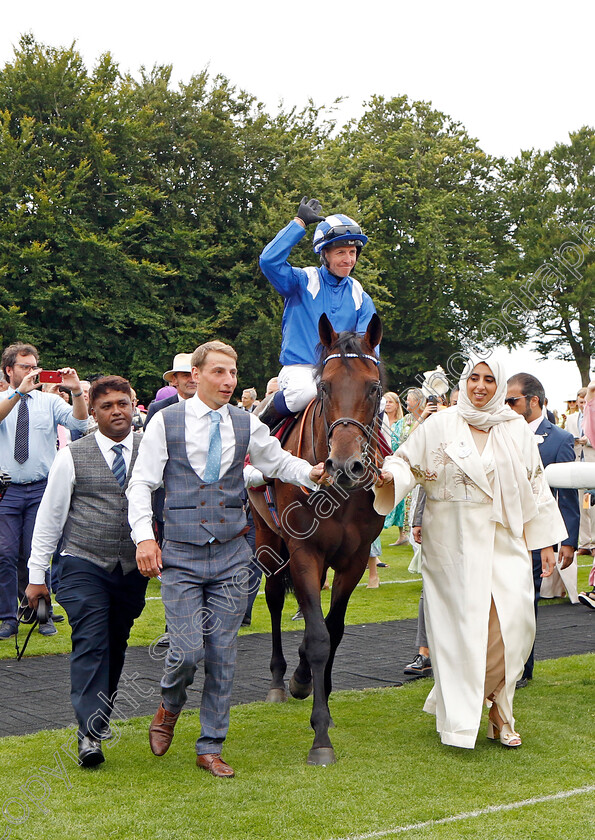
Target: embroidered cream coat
[(468, 559)]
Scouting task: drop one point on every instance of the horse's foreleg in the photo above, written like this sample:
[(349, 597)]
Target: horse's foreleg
[(318, 647), (336, 627), (300, 684), (314, 653), (335, 621)]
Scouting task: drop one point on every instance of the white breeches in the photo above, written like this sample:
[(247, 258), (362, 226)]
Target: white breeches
[(298, 385)]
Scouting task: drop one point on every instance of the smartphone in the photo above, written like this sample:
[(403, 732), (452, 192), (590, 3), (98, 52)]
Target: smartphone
[(50, 376)]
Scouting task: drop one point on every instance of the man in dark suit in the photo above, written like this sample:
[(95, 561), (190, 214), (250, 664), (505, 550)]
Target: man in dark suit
[(248, 400), (526, 396)]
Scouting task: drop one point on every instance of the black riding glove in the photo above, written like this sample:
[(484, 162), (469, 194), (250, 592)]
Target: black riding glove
[(309, 211)]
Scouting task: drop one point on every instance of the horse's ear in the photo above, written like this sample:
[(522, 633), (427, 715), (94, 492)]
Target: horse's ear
[(328, 336), (374, 332)]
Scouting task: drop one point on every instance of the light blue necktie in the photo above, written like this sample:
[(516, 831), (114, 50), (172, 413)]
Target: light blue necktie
[(213, 465), (119, 465)]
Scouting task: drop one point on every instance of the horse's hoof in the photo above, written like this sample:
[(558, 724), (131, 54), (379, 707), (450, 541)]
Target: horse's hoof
[(321, 756), (300, 690), (276, 695)]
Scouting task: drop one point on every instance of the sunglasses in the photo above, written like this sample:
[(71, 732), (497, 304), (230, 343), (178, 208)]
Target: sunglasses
[(511, 401)]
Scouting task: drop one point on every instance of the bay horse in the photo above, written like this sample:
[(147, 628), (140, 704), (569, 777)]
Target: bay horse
[(332, 527)]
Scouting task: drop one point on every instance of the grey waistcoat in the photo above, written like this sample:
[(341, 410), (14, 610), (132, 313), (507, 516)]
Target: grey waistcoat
[(97, 527), (196, 512)]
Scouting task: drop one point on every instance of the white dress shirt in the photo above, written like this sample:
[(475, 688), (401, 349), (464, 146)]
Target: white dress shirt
[(55, 503), (265, 451)]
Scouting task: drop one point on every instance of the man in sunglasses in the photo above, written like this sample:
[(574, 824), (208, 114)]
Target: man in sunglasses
[(526, 396), (310, 292)]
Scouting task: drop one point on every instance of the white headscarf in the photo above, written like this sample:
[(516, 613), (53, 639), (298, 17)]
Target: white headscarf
[(513, 503)]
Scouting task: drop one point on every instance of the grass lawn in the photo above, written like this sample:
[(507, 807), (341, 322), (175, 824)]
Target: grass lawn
[(392, 773), (397, 598), (389, 602)]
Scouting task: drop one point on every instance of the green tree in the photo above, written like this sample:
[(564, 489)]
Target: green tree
[(66, 208), (133, 214), (552, 276), (430, 200), (224, 168)]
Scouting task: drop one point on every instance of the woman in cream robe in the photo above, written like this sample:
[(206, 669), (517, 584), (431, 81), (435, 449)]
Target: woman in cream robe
[(488, 505)]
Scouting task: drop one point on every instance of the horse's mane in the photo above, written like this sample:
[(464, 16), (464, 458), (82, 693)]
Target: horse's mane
[(347, 342)]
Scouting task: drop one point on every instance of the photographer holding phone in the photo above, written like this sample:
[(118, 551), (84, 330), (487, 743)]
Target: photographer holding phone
[(28, 431)]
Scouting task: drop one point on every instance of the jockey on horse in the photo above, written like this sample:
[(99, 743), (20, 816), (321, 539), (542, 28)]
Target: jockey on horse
[(331, 528), (334, 528), (309, 293)]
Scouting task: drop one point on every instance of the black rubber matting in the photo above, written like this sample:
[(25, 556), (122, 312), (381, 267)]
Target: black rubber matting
[(34, 693)]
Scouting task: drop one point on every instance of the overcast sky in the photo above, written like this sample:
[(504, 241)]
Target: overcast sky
[(517, 75)]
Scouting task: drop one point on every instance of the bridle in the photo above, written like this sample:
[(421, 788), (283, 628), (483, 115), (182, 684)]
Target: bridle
[(369, 432)]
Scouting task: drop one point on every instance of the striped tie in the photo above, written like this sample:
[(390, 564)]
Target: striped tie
[(21, 437), (119, 466), (213, 465)]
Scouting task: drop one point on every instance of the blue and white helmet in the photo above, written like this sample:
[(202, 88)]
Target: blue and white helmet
[(338, 228)]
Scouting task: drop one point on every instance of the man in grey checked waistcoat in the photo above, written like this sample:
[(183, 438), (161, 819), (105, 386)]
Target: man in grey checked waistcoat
[(100, 586), (197, 448)]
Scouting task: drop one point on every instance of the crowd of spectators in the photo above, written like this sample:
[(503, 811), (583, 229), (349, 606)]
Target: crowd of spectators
[(38, 421)]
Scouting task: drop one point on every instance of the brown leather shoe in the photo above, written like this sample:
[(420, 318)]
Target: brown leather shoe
[(215, 765), (161, 730)]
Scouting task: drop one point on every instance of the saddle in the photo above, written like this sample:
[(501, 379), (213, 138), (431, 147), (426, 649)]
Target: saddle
[(262, 499)]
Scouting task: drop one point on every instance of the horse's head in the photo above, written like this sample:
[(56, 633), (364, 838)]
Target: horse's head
[(350, 389)]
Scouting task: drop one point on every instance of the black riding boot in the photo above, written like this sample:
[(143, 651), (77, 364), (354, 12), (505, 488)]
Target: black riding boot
[(275, 412)]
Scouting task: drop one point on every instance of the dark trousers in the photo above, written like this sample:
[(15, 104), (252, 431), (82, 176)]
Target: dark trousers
[(253, 583), (101, 608), (18, 510), (56, 570), (530, 663), (421, 638)]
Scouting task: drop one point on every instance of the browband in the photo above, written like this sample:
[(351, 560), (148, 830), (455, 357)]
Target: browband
[(351, 356)]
